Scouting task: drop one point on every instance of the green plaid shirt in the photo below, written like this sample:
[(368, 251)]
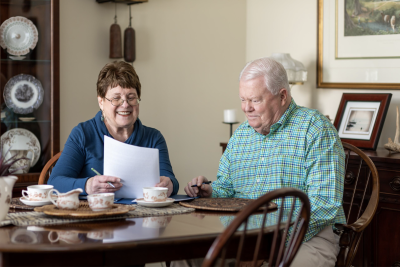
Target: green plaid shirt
[(302, 150)]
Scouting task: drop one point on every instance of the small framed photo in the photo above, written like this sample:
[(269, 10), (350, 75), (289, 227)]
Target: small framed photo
[(360, 118)]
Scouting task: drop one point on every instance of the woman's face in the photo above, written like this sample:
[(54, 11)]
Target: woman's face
[(123, 116)]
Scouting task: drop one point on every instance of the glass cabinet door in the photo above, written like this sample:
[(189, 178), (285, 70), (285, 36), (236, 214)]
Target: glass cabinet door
[(29, 82)]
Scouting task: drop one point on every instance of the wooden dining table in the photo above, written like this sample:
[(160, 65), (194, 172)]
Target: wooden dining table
[(126, 242)]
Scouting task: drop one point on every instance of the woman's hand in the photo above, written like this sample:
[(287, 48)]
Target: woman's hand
[(203, 190), (166, 182), (98, 184)]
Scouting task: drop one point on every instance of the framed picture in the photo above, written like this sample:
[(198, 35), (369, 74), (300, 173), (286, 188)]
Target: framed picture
[(358, 44), (360, 118)]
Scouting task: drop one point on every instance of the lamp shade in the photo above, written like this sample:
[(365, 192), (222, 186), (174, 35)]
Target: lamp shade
[(296, 72)]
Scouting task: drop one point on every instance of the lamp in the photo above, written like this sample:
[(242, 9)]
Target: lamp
[(296, 72)]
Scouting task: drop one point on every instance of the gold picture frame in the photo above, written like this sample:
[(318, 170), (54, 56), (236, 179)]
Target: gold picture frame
[(350, 72)]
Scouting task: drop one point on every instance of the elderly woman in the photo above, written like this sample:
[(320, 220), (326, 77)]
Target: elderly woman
[(118, 94)]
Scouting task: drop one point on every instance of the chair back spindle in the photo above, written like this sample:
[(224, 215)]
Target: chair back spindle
[(278, 237), (362, 181)]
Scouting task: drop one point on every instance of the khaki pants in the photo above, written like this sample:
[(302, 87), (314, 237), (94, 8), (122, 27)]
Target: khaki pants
[(321, 250)]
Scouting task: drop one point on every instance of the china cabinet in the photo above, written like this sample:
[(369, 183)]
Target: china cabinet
[(29, 84)]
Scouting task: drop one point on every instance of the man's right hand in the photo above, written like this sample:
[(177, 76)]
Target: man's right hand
[(98, 184), (203, 190)]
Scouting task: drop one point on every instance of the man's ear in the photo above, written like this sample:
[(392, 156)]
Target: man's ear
[(283, 94)]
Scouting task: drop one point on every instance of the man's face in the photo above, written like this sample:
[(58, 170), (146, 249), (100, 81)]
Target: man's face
[(262, 109)]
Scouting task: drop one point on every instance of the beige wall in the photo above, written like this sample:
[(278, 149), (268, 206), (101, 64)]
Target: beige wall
[(189, 55), (290, 26)]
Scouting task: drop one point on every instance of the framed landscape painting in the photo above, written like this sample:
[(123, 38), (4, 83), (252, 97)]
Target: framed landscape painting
[(360, 118), (358, 44)]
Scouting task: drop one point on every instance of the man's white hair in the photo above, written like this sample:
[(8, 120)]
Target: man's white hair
[(275, 76)]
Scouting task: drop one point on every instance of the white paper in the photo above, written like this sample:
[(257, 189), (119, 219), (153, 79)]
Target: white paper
[(137, 167)]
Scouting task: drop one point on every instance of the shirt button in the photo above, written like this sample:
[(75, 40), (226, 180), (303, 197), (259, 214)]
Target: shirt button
[(262, 159), (258, 180)]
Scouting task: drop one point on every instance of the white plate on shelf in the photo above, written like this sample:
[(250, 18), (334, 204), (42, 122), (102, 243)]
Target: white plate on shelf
[(18, 35), (34, 203), (20, 139), (23, 93), (141, 202)]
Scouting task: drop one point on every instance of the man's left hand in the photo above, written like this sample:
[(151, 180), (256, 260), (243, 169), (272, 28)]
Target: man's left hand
[(166, 182)]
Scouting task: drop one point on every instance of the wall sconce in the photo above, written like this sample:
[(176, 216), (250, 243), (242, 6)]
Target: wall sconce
[(296, 72)]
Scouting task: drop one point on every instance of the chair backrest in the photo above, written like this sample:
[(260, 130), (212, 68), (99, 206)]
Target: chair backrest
[(269, 240), (45, 174), (360, 201)]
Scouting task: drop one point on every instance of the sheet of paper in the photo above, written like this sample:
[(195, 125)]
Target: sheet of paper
[(137, 167)]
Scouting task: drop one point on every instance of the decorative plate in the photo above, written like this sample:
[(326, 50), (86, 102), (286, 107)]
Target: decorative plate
[(20, 139), (84, 212), (18, 35), (142, 202), (23, 93), (221, 204)]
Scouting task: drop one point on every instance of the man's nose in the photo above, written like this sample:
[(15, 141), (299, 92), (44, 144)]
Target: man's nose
[(248, 106)]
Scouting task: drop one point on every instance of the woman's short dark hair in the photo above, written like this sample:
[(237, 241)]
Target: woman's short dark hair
[(117, 73)]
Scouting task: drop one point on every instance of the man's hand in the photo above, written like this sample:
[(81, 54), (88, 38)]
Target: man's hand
[(166, 182), (203, 190), (98, 184)]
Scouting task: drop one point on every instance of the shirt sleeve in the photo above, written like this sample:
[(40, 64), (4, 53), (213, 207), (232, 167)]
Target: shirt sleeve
[(324, 163), (223, 186), (165, 164), (69, 165)]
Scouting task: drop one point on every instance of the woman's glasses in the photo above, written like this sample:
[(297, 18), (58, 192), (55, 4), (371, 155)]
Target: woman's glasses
[(116, 102)]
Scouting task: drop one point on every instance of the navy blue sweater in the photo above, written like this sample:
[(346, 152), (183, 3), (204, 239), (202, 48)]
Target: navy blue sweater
[(84, 150)]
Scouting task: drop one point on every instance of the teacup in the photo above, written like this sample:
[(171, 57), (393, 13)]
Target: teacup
[(155, 194), (100, 235), (156, 222), (70, 237), (69, 200), (37, 192), (22, 165), (99, 202)]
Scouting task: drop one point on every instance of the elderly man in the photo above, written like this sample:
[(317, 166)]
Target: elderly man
[(283, 145)]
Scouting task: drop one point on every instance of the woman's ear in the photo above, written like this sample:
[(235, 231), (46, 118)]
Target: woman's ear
[(100, 100)]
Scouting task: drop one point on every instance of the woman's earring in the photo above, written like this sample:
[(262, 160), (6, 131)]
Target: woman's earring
[(102, 116)]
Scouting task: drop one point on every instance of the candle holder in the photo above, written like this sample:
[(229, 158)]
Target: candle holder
[(231, 123)]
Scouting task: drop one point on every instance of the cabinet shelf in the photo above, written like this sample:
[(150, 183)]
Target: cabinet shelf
[(25, 60)]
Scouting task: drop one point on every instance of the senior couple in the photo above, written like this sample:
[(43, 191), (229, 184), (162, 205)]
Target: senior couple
[(280, 145)]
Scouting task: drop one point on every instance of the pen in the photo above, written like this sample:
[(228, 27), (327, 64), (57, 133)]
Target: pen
[(96, 172), (195, 185)]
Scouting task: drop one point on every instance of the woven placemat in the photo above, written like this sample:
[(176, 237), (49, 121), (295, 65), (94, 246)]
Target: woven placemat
[(17, 204), (40, 219), (84, 211), (221, 204)]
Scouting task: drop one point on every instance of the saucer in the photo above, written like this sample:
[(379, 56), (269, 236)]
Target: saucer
[(35, 203), (141, 202)]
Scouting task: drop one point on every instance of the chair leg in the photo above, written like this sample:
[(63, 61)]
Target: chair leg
[(167, 263)]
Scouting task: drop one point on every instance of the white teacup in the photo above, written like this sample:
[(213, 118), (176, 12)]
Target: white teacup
[(99, 202), (100, 235), (37, 192), (70, 237), (69, 200), (155, 194), (156, 222)]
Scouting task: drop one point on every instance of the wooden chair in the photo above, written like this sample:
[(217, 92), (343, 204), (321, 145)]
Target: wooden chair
[(45, 174), (274, 250), (360, 206)]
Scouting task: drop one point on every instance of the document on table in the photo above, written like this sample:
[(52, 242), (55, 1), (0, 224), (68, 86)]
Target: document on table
[(137, 167)]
